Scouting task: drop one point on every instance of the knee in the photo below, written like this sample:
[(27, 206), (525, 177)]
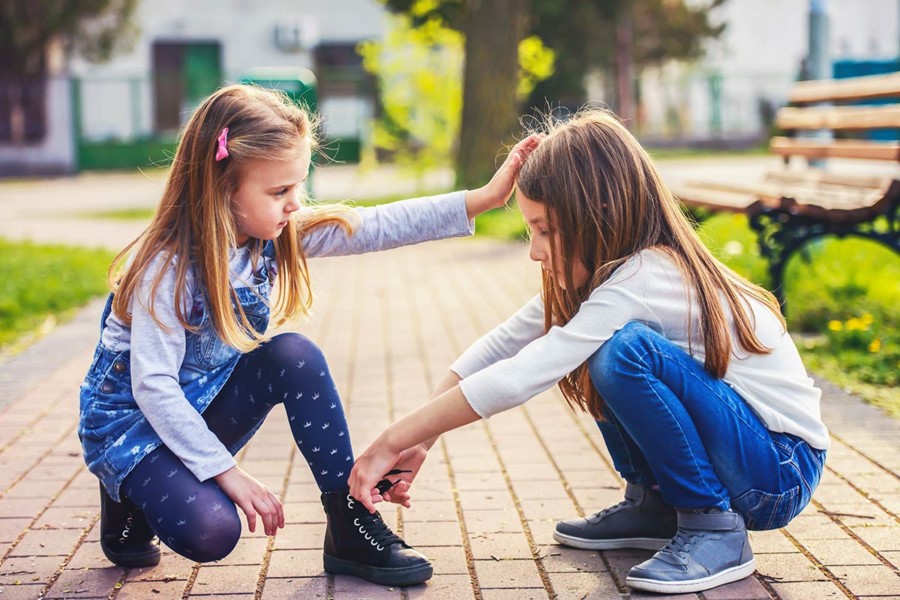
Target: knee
[(213, 533), (290, 350), (626, 346)]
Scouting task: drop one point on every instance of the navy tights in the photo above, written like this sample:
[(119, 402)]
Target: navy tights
[(196, 519)]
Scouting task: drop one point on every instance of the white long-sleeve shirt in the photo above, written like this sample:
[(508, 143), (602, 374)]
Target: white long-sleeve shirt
[(519, 359)]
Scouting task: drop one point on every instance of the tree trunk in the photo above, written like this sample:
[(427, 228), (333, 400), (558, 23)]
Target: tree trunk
[(625, 67), (493, 30)]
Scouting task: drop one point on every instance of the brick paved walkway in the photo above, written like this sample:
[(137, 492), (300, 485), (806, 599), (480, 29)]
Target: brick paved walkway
[(486, 501)]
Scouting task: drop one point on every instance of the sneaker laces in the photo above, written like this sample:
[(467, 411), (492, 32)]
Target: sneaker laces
[(596, 517), (680, 546), (375, 530)]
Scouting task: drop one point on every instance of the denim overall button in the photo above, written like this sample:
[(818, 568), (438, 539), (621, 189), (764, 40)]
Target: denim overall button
[(118, 366), (106, 387)]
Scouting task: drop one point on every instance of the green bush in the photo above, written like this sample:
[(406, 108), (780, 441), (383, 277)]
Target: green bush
[(38, 282)]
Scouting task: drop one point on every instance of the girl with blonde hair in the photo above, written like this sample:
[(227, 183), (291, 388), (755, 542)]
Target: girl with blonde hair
[(688, 369), (184, 374)]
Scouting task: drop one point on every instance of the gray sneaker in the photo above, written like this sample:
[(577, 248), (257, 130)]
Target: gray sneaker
[(709, 550), (643, 520)]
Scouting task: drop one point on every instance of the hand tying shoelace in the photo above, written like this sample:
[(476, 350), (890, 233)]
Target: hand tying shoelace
[(385, 484)]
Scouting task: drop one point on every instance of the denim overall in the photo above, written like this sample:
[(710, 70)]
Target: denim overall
[(115, 435)]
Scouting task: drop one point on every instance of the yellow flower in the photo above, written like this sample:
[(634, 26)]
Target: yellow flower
[(855, 324), (875, 346), (835, 325), (867, 318)]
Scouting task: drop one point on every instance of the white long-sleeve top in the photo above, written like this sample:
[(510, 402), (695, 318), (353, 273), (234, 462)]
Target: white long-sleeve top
[(519, 359)]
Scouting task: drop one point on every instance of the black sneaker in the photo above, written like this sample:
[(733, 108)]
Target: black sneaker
[(643, 520), (125, 537), (361, 544)]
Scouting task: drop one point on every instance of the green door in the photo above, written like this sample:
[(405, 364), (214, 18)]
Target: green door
[(202, 71)]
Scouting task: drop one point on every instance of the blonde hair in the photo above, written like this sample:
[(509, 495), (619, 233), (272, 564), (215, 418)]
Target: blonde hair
[(607, 202), (195, 225)]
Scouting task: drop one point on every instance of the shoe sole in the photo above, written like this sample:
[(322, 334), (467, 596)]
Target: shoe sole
[(611, 544), (399, 576), (133, 560), (694, 585)]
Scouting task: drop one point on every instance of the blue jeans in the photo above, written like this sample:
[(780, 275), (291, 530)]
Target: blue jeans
[(671, 423)]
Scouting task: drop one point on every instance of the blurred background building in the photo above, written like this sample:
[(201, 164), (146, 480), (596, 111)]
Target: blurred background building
[(125, 112)]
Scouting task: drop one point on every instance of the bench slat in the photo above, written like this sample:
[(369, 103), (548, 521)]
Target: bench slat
[(812, 177), (842, 117), (713, 199), (856, 88), (737, 197), (815, 148)]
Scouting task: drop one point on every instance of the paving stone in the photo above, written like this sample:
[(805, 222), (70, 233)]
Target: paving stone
[(346, 587), (20, 592), (518, 593), (594, 585), (432, 534), (457, 587), (447, 560), (499, 546), (840, 552), (748, 588), (868, 581), (559, 559), (788, 567), (47, 542), (507, 573), (226, 580), (66, 517), (807, 590), (296, 563), (85, 583), (298, 588), (28, 569), (12, 528), (143, 590)]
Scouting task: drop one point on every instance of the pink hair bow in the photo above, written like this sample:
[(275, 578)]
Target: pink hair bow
[(222, 151)]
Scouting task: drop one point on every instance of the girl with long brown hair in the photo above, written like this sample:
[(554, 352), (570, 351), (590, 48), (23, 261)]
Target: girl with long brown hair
[(184, 374), (688, 369)]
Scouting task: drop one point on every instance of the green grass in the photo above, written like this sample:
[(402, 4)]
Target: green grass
[(125, 214), (39, 284)]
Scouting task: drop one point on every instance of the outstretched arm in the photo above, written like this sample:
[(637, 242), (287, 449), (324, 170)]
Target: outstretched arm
[(418, 220), (446, 412), (411, 460)]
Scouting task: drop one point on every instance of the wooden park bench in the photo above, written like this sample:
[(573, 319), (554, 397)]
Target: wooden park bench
[(790, 207)]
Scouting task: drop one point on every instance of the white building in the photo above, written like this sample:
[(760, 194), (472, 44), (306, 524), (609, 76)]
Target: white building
[(126, 112), (129, 109), (754, 64)]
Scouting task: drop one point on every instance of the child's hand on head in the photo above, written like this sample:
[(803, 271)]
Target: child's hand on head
[(498, 190)]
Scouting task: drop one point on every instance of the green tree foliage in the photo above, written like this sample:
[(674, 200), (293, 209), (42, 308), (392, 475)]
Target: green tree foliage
[(584, 36), (492, 36), (94, 28), (420, 65)]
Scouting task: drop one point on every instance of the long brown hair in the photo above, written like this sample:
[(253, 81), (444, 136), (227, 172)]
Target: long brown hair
[(194, 226), (607, 202)]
